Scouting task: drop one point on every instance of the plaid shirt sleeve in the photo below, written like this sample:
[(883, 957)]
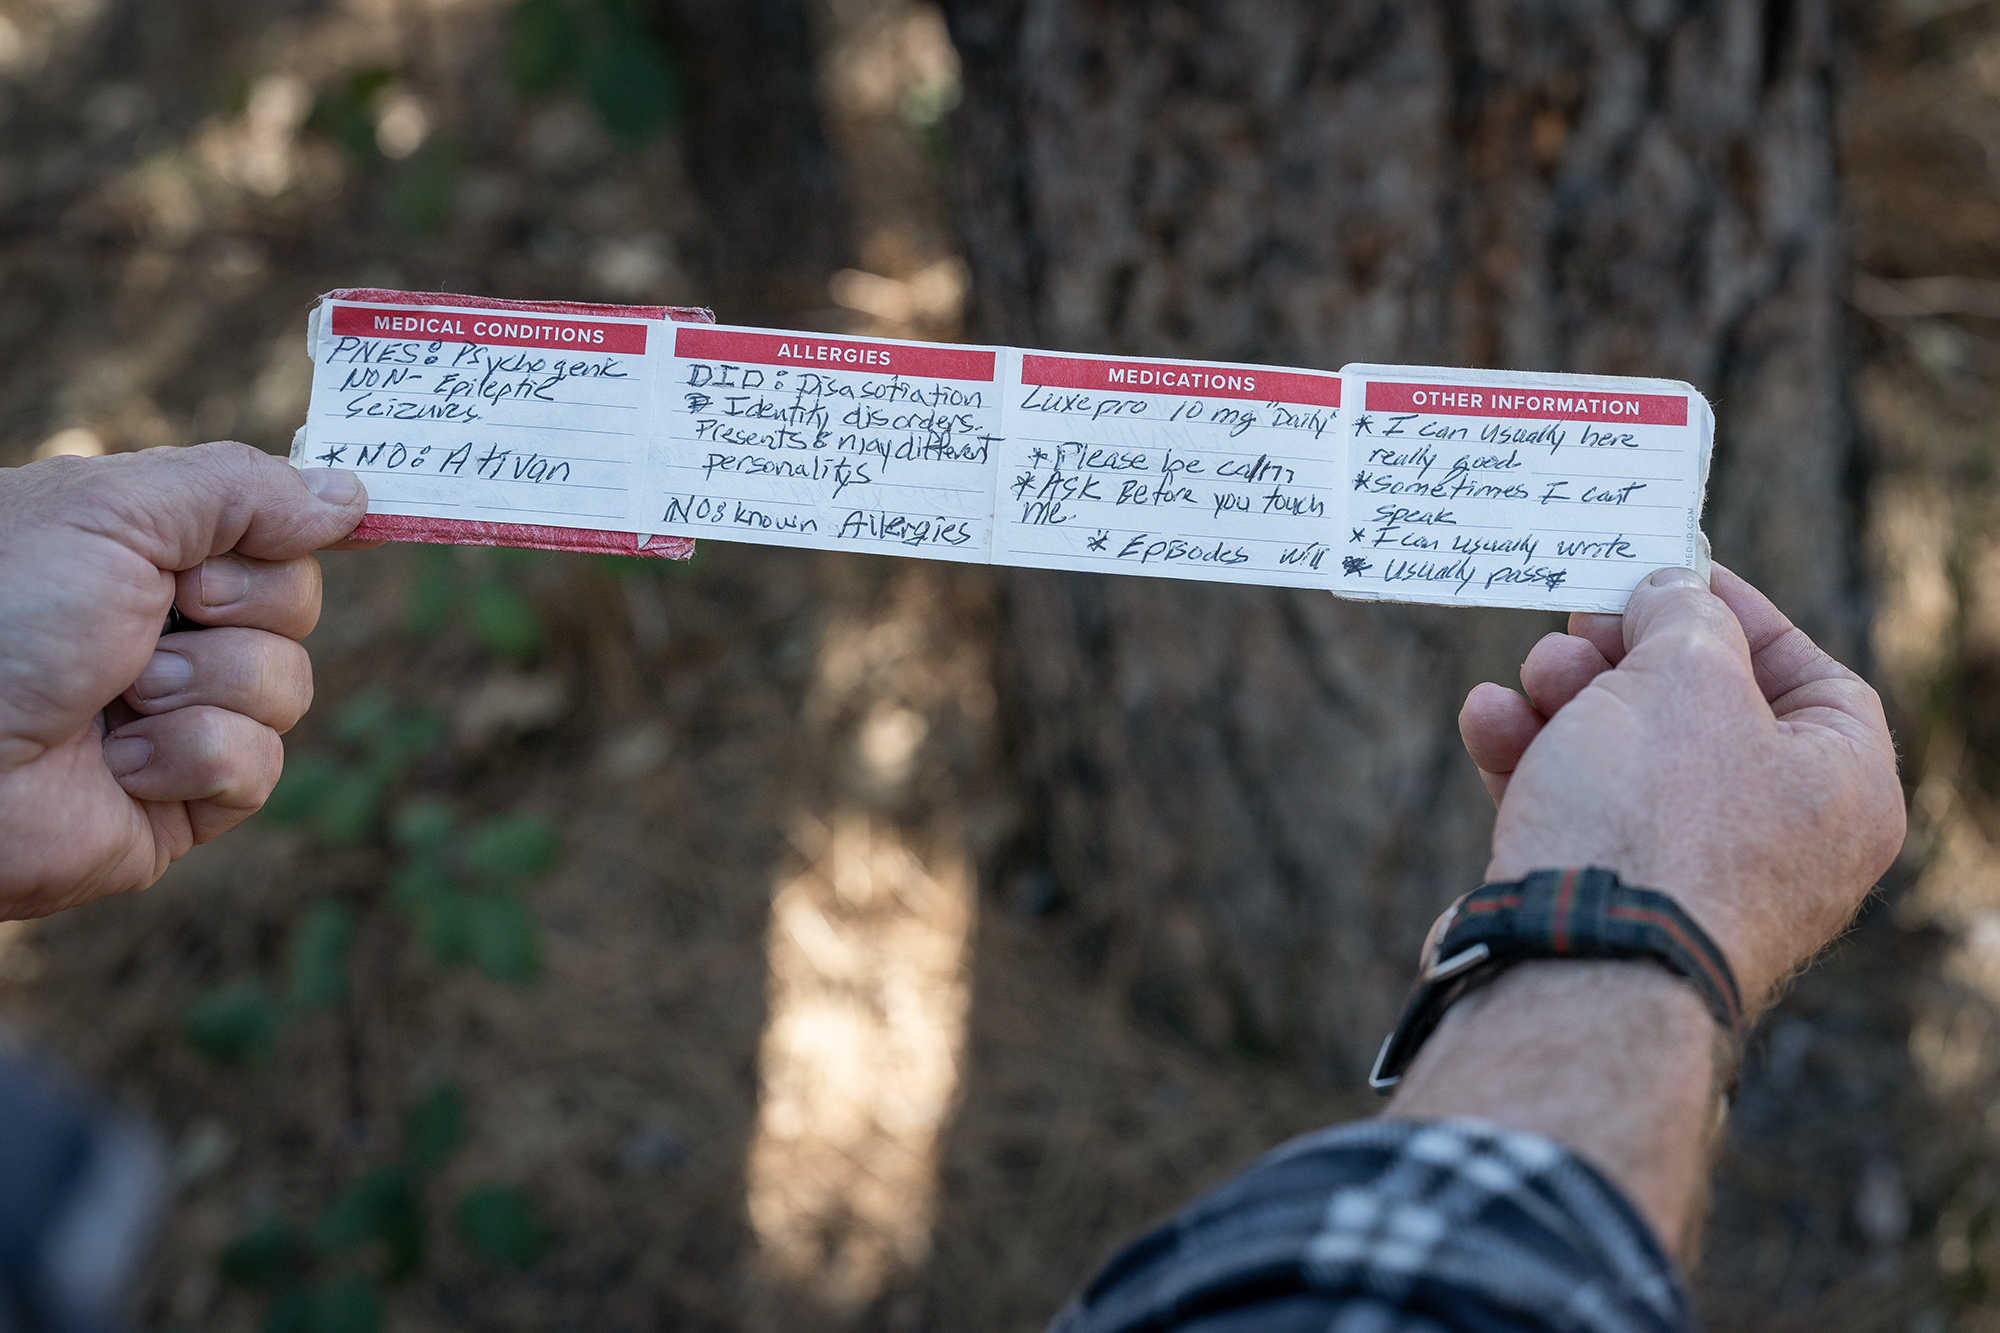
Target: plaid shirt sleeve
[(1387, 1226)]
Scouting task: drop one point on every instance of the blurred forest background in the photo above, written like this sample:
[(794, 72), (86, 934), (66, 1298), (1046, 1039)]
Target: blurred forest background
[(786, 941)]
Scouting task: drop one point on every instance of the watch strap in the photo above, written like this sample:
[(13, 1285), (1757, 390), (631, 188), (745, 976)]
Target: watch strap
[(1574, 912)]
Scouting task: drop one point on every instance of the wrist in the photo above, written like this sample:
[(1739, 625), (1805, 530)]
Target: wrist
[(1616, 1060), (1547, 1006), (1720, 902), (1573, 913), (1760, 968)]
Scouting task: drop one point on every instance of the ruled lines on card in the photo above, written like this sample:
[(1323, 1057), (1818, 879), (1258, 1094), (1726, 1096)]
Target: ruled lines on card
[(484, 415), (828, 442), (1489, 488), (1228, 473)]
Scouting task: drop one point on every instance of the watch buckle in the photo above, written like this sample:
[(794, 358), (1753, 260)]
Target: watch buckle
[(1438, 969), (1375, 1078), (1442, 969)]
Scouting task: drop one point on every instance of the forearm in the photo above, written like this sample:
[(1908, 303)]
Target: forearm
[(1437, 1215), (1616, 1061)]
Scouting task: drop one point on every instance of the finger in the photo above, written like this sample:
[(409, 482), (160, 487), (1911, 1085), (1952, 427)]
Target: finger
[(1784, 657), (197, 754), (1676, 622), (281, 596), (1606, 633), (265, 677), (179, 506), (1497, 725), (1557, 669), (105, 536)]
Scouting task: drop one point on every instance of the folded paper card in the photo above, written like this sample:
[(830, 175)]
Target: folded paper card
[(635, 429)]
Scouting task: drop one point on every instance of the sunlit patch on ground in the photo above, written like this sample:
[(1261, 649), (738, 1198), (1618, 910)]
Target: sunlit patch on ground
[(859, 1063)]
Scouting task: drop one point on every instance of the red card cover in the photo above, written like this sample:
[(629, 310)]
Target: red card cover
[(469, 532)]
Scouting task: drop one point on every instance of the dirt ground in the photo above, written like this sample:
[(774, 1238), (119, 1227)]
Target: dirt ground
[(799, 1056)]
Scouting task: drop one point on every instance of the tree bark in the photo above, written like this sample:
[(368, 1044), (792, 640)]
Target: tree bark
[(758, 156), (1255, 800)]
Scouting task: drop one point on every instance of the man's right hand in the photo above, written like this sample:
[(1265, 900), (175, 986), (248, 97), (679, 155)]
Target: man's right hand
[(1703, 746)]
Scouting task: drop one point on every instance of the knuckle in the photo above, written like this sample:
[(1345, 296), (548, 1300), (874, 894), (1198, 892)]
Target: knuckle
[(68, 488), (306, 594), (229, 466), (230, 454), (267, 761), (263, 683), (231, 758), (205, 745), (263, 676), (286, 596), (287, 687), (1698, 649), (1892, 825), (302, 689)]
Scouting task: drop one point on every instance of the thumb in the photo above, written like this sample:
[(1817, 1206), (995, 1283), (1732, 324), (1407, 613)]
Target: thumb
[(1672, 617), (178, 507)]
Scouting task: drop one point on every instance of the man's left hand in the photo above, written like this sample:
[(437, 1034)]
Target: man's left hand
[(121, 750)]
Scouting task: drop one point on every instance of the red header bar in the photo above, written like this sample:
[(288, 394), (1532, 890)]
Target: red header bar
[(1183, 378), (1500, 400), (810, 352), (497, 328)]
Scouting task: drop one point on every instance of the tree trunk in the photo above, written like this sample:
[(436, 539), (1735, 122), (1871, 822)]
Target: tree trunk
[(1255, 799), (757, 154)]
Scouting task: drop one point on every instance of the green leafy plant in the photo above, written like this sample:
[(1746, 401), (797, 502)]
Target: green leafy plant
[(421, 192), (603, 49), (499, 1223), (330, 1277), (235, 1024), (318, 956), (434, 1130), (340, 798), (379, 1206), (544, 46), (426, 190), (463, 893), (345, 113), (926, 107), (462, 888), (241, 1023), (478, 585)]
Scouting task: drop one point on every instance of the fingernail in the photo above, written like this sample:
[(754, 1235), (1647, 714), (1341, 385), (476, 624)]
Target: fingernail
[(168, 673), (126, 755), (223, 581), (1677, 578), (336, 486)]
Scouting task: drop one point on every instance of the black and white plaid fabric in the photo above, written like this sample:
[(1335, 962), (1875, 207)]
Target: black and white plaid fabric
[(1388, 1226)]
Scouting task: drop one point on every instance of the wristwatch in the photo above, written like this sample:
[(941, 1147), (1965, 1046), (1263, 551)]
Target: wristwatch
[(1576, 912)]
